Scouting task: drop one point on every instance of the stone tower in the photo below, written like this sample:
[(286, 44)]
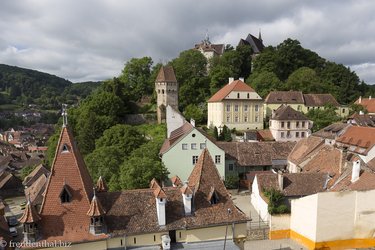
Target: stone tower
[(166, 88)]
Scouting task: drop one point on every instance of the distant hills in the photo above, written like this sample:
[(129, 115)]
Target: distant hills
[(22, 87)]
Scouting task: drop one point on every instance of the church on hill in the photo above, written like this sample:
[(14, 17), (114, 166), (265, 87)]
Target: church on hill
[(89, 216)]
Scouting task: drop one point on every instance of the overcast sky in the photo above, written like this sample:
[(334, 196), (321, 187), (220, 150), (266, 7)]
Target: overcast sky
[(83, 40)]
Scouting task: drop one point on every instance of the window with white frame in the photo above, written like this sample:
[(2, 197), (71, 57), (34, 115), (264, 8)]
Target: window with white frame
[(202, 146), (246, 119), (195, 159), (184, 146), (217, 159), (245, 107), (193, 146), (231, 167), (228, 107), (228, 118), (236, 108), (282, 135), (256, 108), (236, 118)]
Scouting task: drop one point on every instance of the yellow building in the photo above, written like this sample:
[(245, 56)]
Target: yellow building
[(301, 102), (236, 105), (75, 214)]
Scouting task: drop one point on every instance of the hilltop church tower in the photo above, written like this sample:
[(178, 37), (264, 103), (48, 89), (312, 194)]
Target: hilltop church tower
[(166, 88)]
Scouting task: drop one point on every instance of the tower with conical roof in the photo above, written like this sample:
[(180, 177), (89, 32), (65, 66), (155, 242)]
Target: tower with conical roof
[(30, 220), (69, 194), (166, 88)]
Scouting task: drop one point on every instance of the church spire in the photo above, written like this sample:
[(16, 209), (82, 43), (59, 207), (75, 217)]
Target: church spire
[(260, 35), (64, 114)]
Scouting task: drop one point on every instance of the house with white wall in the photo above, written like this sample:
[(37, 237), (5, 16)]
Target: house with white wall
[(287, 124)]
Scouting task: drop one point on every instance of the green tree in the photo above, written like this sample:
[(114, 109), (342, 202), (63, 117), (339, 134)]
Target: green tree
[(265, 82), (136, 77), (323, 117), (216, 133), (193, 111)]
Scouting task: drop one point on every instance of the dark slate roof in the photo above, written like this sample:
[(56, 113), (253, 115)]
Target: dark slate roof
[(319, 100), (289, 97), (363, 120), (285, 112), (256, 153), (255, 43)]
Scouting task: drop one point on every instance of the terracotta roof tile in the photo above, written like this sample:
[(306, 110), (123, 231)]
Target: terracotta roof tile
[(166, 74), (237, 85), (67, 221), (176, 181), (256, 153), (175, 136), (96, 208), (285, 112), (332, 131), (36, 190), (30, 215), (368, 103), (319, 100), (295, 184), (289, 97), (304, 148), (34, 175), (101, 186), (363, 137), (265, 135), (159, 193)]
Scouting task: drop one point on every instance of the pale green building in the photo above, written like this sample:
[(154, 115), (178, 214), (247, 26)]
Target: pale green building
[(181, 150)]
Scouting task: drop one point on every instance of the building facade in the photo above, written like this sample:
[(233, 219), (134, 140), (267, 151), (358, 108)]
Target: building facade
[(287, 124), (236, 105)]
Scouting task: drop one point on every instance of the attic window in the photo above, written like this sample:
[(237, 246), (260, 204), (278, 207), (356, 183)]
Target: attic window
[(238, 95), (65, 148), (213, 197), (65, 195)]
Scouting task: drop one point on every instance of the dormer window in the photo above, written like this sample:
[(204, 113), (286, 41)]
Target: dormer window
[(65, 148), (213, 198), (65, 195)]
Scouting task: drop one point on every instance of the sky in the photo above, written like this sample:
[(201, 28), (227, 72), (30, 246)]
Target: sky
[(89, 40)]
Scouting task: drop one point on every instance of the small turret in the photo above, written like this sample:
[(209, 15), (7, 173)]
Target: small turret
[(96, 213), (101, 186), (30, 219)]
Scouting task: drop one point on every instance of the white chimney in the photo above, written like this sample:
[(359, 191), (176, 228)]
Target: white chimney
[(241, 79), (355, 170), (231, 79), (187, 196), (361, 112), (192, 122), (280, 180), (360, 99), (369, 97), (160, 209)]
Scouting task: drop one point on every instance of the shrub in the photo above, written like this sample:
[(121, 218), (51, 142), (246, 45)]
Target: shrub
[(231, 181)]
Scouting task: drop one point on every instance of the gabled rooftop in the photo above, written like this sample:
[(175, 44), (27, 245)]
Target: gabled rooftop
[(368, 103), (285, 112), (236, 85), (166, 74), (359, 137), (285, 97), (319, 100)]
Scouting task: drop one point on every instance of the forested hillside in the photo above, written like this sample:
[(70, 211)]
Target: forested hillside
[(25, 86)]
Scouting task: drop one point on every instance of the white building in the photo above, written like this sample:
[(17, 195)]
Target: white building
[(287, 124)]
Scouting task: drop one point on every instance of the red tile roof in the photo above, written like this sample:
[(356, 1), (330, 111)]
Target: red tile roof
[(176, 181), (363, 137), (304, 148), (237, 85), (67, 221), (30, 215), (101, 186), (166, 74), (368, 103), (96, 208)]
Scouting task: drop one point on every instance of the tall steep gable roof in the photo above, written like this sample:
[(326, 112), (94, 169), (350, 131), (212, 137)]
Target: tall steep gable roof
[(166, 74), (67, 221), (237, 85)]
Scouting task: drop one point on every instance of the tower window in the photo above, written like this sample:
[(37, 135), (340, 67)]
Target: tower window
[(238, 95), (65, 195), (65, 148), (162, 91)]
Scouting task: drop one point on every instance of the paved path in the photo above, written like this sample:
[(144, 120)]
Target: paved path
[(243, 203)]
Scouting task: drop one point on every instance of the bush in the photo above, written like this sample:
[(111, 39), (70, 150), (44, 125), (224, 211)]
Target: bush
[(231, 181)]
